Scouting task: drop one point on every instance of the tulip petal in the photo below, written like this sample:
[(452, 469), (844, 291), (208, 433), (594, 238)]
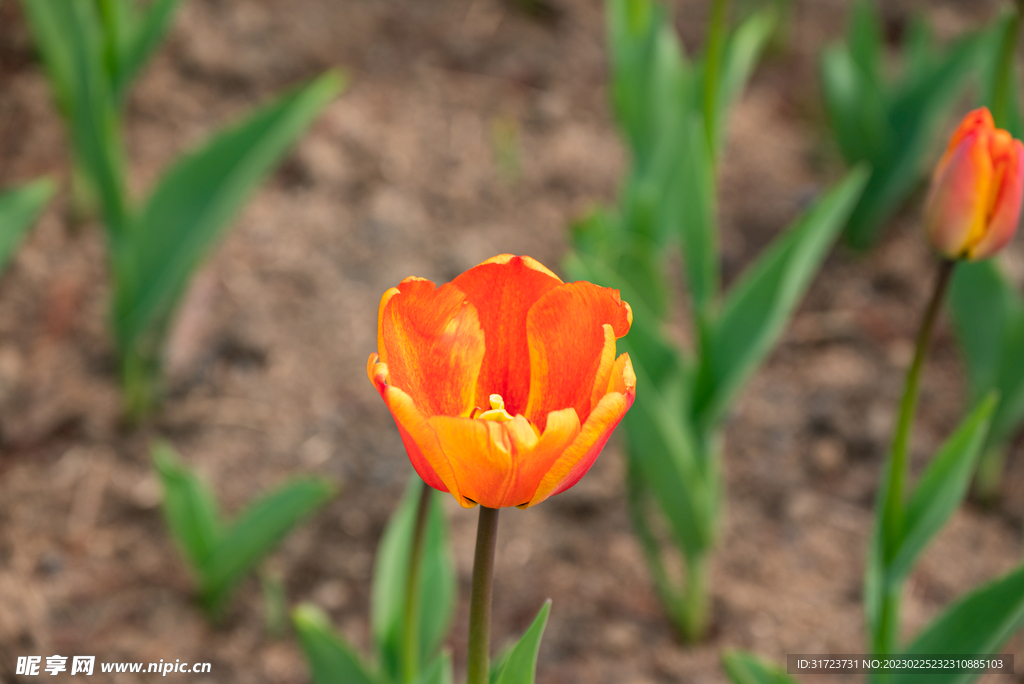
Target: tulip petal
[(503, 289), (479, 450), (957, 203), (1005, 212), (567, 339), (421, 442), (535, 455), (433, 345), (577, 459)]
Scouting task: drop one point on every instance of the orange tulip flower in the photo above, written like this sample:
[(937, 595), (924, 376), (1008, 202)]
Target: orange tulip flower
[(504, 382), (975, 199)]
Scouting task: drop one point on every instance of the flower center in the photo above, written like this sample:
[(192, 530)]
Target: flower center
[(497, 411)]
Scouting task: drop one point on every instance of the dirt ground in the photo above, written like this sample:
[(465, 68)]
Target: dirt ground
[(470, 129)]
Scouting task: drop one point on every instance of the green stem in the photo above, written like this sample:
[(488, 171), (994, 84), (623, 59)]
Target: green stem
[(1003, 89), (478, 659), (411, 621), (893, 511), (140, 383), (898, 463), (712, 66), (695, 600)]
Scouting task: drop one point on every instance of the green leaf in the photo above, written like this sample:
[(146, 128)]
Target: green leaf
[(256, 531), (437, 672), (519, 666), (189, 508), (149, 33), (758, 306), (696, 195), (69, 38), (855, 106), (982, 303), (915, 109), (864, 37), (331, 660), (19, 209), (979, 624), (661, 446), (941, 489), (195, 201), (741, 54), (437, 581), (746, 668)]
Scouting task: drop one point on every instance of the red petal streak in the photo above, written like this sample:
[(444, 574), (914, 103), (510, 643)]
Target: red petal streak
[(567, 339), (433, 345), (503, 289)]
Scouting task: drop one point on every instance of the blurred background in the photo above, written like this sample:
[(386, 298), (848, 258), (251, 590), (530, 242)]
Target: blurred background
[(470, 128)]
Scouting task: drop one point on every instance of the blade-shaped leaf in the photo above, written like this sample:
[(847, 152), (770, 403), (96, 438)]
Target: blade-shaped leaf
[(196, 199), (698, 227), (663, 451), (331, 660), (19, 209), (979, 623), (746, 668), (519, 666), (855, 106), (437, 581), (864, 37), (982, 303), (69, 37), (941, 488), (189, 508), (758, 306), (437, 672), (148, 33), (741, 54), (256, 531)]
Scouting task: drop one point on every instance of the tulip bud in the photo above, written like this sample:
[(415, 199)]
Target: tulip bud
[(974, 202)]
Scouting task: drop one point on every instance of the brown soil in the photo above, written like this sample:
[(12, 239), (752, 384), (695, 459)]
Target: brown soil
[(400, 176)]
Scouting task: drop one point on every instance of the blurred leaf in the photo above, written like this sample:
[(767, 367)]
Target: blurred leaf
[(117, 18), (146, 37), (660, 445), (982, 304), (979, 623), (1003, 98), (390, 575), (698, 226), (437, 672), (941, 489), (331, 660), (746, 668), (256, 531), (758, 306), (519, 666), (743, 50), (856, 107), (197, 198), (890, 123), (189, 508), (69, 38), (19, 209), (275, 604), (864, 36)]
